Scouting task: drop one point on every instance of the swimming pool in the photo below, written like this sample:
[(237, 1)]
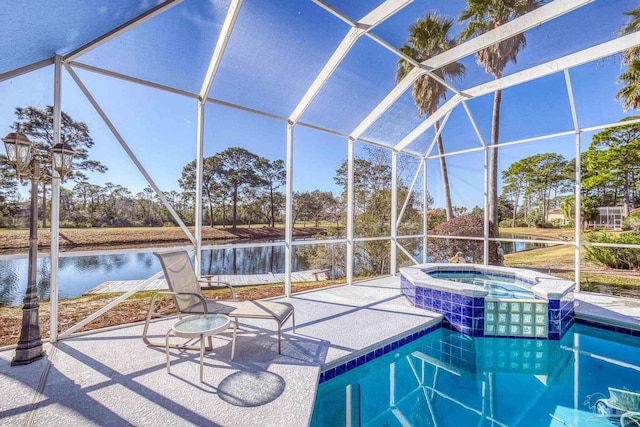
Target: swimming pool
[(450, 379)]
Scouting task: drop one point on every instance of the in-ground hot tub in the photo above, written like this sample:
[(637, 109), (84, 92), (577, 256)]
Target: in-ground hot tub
[(483, 300)]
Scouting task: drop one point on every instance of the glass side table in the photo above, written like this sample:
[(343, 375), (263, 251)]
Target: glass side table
[(200, 326)]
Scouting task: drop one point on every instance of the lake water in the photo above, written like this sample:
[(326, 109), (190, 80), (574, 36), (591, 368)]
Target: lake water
[(79, 274), (511, 247)]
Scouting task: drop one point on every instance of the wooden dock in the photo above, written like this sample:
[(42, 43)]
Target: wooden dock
[(234, 279)]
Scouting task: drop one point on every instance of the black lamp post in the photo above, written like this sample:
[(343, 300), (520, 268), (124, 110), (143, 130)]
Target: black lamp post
[(20, 156)]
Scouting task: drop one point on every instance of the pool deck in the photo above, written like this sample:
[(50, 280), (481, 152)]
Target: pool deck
[(110, 377)]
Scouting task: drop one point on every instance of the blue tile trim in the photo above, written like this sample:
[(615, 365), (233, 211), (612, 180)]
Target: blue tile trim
[(465, 314), (612, 328), (374, 354)]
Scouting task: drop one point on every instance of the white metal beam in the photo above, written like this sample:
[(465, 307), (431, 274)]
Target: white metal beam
[(197, 215), (551, 67), (136, 80), (55, 202), (25, 69), (578, 213), (577, 181), (425, 208), (394, 213), (384, 105), (169, 89), (126, 148), (157, 10), (288, 234), (473, 123), (373, 18), (569, 61), (517, 26), (610, 125), (386, 45), (109, 306), (426, 70), (422, 127), (438, 133), (485, 200), (407, 253), (409, 193), (335, 13), (326, 72), (350, 209), (506, 144), (221, 45)]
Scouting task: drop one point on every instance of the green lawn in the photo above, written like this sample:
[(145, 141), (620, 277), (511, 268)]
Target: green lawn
[(559, 261)]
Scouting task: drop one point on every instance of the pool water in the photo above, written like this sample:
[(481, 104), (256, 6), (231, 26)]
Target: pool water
[(449, 379), (496, 286)]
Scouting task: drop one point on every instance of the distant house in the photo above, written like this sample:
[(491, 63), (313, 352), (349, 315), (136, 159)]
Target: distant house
[(556, 214), (608, 217)]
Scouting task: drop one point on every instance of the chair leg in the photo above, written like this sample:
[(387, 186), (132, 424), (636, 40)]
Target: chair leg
[(146, 324), (201, 356), (166, 349), (279, 340), (233, 342), (293, 321)]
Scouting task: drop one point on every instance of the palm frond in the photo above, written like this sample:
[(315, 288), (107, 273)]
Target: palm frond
[(429, 36)]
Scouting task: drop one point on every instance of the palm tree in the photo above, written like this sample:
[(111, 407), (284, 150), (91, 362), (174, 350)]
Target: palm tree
[(483, 16), (428, 37), (632, 26), (630, 93)]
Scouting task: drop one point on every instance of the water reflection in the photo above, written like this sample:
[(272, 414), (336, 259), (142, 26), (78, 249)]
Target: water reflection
[(512, 247), (258, 260), (79, 274), (9, 284)]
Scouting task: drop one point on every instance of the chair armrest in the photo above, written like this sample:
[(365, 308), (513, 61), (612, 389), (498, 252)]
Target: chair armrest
[(210, 281)]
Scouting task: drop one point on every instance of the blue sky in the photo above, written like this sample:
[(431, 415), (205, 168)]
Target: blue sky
[(275, 52)]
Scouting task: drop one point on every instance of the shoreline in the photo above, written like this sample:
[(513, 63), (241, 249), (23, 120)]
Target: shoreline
[(79, 239)]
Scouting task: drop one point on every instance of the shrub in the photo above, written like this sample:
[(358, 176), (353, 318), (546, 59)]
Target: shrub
[(470, 225), (535, 217), (619, 258), (545, 225), (435, 217), (505, 223), (569, 224), (632, 222), (520, 222), (557, 223)]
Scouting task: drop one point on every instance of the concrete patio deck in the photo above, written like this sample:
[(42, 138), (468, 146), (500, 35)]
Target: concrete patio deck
[(111, 377)]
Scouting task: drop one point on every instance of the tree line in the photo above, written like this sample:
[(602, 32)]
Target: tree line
[(239, 187), (610, 172)]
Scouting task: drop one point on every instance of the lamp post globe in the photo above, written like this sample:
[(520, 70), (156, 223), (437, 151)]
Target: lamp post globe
[(62, 159), (19, 152)]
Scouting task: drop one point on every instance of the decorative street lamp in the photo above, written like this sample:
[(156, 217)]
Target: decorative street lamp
[(20, 155)]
